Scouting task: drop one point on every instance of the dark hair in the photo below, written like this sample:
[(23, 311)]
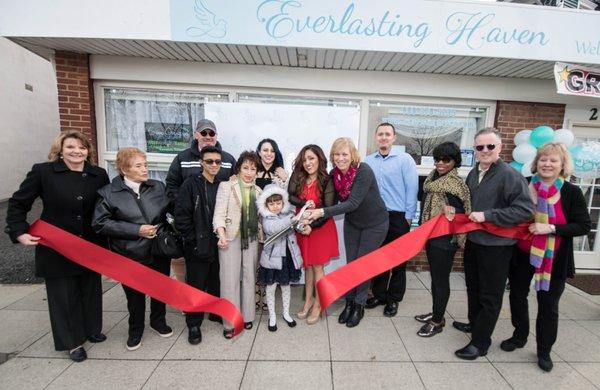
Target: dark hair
[(209, 149), (322, 175), (248, 156), (386, 124), (448, 149), (278, 162), (273, 198)]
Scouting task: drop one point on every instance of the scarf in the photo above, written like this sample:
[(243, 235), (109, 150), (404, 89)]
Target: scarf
[(343, 182), (249, 224), (544, 246), (435, 200)]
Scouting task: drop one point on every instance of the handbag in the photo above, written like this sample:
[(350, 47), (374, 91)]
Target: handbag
[(168, 242)]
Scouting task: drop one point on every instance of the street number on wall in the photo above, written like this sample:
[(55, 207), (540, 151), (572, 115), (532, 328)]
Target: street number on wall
[(594, 116)]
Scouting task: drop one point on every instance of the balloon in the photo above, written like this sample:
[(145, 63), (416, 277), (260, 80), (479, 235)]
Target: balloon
[(526, 169), (517, 165), (523, 153), (522, 137), (541, 135), (564, 136)]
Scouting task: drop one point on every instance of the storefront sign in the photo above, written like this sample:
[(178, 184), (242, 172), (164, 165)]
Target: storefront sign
[(578, 80), (434, 26), (167, 137)]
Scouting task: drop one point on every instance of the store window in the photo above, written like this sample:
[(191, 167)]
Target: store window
[(419, 128), (153, 121)]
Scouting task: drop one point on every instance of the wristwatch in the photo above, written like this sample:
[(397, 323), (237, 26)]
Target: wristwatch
[(553, 229)]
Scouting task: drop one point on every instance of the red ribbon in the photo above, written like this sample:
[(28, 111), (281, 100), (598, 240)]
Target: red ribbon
[(334, 285), (135, 275)]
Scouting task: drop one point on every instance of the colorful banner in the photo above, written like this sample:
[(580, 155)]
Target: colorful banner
[(577, 80)]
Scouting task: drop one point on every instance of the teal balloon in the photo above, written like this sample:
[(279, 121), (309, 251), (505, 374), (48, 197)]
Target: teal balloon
[(541, 135), (517, 165)]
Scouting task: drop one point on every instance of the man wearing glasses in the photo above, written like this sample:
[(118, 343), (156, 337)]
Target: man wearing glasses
[(186, 163), (499, 194), (194, 210)]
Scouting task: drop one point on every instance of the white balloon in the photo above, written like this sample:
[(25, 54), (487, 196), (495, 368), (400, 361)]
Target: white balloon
[(522, 137), (526, 169), (564, 136), (524, 152)]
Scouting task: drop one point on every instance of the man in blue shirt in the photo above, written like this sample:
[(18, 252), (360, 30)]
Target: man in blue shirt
[(398, 182)]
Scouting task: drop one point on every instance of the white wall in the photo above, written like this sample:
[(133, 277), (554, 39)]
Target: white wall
[(29, 119)]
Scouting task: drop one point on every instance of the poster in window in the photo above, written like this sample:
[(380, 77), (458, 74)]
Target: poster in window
[(167, 137)]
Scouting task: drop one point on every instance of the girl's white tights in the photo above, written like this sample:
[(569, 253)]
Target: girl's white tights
[(285, 297)]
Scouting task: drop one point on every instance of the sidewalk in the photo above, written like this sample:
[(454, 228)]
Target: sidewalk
[(379, 353)]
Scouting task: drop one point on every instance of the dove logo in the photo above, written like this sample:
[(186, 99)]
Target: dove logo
[(209, 24)]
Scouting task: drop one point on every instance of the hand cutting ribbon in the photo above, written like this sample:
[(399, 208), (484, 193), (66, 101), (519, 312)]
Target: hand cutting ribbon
[(135, 275), (334, 285)]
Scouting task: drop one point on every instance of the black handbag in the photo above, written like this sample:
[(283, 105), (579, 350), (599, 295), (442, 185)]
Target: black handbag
[(167, 243)]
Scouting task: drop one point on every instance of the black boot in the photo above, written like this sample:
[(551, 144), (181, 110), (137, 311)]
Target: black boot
[(345, 314), (356, 316)]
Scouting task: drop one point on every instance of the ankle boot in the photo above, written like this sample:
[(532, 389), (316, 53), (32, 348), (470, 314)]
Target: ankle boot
[(345, 314), (356, 316)]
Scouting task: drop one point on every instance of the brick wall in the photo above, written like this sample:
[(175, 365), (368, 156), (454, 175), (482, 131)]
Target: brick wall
[(75, 94), (511, 117)]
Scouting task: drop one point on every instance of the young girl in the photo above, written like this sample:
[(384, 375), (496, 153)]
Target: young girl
[(280, 261)]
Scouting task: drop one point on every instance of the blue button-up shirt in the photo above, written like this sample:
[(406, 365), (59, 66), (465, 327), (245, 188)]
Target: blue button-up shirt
[(397, 179)]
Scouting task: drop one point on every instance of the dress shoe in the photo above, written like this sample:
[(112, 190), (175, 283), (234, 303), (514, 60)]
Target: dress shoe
[(430, 329), (163, 330), (133, 342), (470, 352), (511, 344), (356, 316), (462, 326), (96, 338), (374, 302), (291, 323), (390, 309), (545, 363), (424, 318), (78, 354), (215, 318), (345, 314), (248, 325), (305, 310), (315, 314), (228, 333), (194, 335)]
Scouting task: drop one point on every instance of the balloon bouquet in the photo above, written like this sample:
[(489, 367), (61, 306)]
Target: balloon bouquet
[(528, 141)]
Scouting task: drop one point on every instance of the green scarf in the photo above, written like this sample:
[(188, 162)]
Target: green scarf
[(249, 225)]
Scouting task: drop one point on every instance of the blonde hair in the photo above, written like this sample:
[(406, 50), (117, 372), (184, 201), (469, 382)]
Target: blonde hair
[(57, 145), (345, 142), (124, 157), (555, 148)]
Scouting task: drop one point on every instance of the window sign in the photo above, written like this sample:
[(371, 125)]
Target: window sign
[(167, 137)]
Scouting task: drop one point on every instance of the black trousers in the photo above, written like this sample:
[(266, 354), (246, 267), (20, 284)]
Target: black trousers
[(204, 275), (390, 286), (546, 325), (136, 303), (359, 242), (75, 308), (440, 265), (486, 271)]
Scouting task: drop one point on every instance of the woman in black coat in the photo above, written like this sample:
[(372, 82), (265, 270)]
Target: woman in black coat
[(561, 214), (67, 185), (129, 212)]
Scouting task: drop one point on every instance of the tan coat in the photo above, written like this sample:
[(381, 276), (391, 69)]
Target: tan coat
[(228, 209)]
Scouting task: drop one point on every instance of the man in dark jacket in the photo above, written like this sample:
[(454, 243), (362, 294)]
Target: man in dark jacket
[(499, 195), (187, 164), (194, 210)]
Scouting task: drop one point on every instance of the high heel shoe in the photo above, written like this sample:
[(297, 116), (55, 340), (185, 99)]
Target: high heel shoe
[(304, 313), (314, 318)]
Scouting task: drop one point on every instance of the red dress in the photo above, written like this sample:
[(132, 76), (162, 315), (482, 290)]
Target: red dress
[(321, 245)]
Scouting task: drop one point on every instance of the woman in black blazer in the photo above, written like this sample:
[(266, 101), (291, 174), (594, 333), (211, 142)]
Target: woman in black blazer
[(67, 185), (561, 214)]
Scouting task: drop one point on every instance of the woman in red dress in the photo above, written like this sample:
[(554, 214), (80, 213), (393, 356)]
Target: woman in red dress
[(311, 184)]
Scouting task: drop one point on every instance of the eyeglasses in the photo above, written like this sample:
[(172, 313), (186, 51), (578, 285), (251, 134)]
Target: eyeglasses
[(212, 162), (480, 148), (445, 160), (210, 133)]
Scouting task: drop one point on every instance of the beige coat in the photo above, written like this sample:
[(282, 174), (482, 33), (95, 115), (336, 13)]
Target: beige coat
[(228, 209)]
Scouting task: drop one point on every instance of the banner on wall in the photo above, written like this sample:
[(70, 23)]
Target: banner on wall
[(579, 80)]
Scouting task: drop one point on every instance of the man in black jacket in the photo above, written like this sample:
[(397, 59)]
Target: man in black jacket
[(499, 194), (194, 210), (187, 164)]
